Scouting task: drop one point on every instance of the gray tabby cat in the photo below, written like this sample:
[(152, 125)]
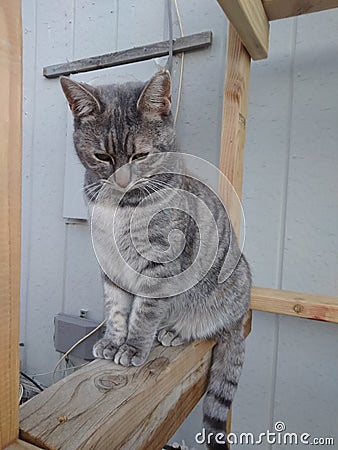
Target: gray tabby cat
[(118, 131)]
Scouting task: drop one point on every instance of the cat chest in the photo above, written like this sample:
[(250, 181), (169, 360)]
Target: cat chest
[(119, 234)]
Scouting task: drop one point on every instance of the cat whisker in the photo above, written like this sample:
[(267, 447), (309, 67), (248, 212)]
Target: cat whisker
[(108, 182), (93, 189), (96, 183), (158, 186), (165, 185)]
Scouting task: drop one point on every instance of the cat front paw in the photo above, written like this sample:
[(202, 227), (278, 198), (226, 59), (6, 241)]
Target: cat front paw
[(129, 355), (169, 338), (105, 349)]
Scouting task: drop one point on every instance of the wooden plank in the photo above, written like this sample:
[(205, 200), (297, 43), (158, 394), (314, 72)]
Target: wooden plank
[(235, 107), (297, 304), (10, 210), (21, 445), (251, 23), (280, 9), (104, 403), (136, 54)]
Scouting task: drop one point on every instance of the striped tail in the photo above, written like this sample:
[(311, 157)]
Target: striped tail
[(227, 363)]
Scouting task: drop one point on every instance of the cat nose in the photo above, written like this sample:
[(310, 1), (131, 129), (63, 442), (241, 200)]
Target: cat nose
[(122, 176)]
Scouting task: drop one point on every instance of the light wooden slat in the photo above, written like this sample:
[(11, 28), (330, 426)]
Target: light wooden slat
[(21, 445), (133, 407), (10, 209), (280, 9), (251, 23), (235, 107), (297, 304)]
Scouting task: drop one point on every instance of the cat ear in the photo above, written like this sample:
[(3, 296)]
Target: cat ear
[(155, 99), (81, 98)]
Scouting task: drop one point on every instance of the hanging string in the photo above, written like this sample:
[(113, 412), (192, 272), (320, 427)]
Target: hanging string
[(182, 63), (169, 65)]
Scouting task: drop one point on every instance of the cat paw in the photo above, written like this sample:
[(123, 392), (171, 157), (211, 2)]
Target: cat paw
[(105, 349), (169, 338), (128, 355)]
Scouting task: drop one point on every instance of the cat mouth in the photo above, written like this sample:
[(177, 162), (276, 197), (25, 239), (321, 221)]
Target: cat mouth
[(125, 189)]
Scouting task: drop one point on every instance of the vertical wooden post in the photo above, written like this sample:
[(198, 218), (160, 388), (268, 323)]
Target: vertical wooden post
[(10, 211), (235, 106), (236, 91)]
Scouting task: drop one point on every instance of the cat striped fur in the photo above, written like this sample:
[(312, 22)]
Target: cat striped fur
[(124, 136)]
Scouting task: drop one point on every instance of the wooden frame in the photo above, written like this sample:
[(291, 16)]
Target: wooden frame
[(174, 378), (280, 9), (297, 304), (251, 18), (10, 216), (251, 23)]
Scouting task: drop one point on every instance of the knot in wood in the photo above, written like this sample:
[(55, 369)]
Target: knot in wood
[(156, 366), (62, 419), (298, 308), (107, 382), (242, 120)]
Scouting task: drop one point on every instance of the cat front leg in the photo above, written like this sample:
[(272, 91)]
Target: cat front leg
[(118, 305), (145, 317)]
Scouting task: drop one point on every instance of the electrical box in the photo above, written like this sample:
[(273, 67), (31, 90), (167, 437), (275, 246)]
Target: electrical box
[(70, 329)]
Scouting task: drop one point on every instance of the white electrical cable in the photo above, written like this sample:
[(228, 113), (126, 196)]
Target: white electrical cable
[(74, 346), (20, 393), (37, 375)]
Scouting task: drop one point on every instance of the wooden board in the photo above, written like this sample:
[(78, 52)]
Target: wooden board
[(10, 209), (21, 445), (235, 106), (104, 403), (251, 23), (136, 54), (280, 9), (297, 304)]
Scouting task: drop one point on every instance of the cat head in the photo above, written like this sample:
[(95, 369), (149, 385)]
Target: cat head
[(118, 124)]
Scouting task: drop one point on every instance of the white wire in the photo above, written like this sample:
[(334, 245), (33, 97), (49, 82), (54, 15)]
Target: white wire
[(74, 346), (182, 62), (21, 393), (37, 375)]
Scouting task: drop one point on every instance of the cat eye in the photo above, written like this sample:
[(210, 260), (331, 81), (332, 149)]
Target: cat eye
[(139, 156), (102, 156)]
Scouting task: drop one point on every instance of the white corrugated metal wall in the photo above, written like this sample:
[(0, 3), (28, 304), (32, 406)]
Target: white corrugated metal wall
[(290, 189)]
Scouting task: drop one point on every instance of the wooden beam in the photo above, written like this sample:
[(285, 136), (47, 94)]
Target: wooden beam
[(297, 304), (280, 9), (10, 211), (131, 407), (21, 445), (183, 44), (235, 107), (251, 23)]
